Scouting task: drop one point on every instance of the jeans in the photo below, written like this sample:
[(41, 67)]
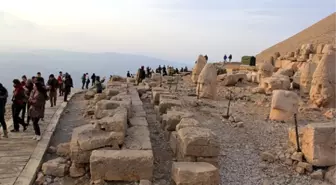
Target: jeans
[(66, 93), (36, 126), (17, 121), (53, 97)]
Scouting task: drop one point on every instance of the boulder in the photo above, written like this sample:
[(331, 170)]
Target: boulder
[(206, 84), (285, 100), (89, 95), (275, 82), (63, 150), (195, 173), (137, 138), (331, 174), (76, 170), (230, 80), (56, 167), (122, 165), (201, 62), (322, 91), (198, 142), (306, 77), (318, 144)]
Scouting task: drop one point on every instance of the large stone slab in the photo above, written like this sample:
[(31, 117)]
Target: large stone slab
[(166, 104), (195, 173), (318, 144), (116, 123), (123, 165), (199, 142), (188, 122), (137, 138), (173, 118)]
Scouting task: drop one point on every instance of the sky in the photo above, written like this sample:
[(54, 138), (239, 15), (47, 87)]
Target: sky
[(177, 30)]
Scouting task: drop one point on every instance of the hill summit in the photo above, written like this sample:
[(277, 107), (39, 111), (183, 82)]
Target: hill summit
[(322, 32)]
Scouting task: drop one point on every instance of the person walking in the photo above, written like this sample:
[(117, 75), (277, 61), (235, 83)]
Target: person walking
[(230, 58), (60, 83), (37, 100), (225, 58), (93, 78), (17, 106), (3, 101), (52, 86)]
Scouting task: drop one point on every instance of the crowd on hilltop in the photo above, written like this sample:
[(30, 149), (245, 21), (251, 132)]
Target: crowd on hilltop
[(143, 73), (30, 96)]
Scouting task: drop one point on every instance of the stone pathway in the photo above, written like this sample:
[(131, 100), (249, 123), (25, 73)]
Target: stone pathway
[(20, 156)]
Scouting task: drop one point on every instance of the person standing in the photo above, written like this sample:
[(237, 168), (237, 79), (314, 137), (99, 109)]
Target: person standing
[(60, 83), (225, 58), (25, 100), (128, 74), (230, 58), (40, 78), (28, 89), (52, 85), (87, 81), (67, 86), (17, 106), (37, 100), (83, 80), (93, 78), (99, 84), (3, 101)]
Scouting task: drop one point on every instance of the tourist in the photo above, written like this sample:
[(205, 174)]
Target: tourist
[(83, 80), (185, 69), (87, 83), (128, 74), (17, 106), (225, 57), (99, 84), (206, 57), (93, 78), (37, 100), (3, 101), (230, 58), (28, 89), (40, 78), (52, 87), (23, 83), (60, 83), (164, 71), (67, 86)]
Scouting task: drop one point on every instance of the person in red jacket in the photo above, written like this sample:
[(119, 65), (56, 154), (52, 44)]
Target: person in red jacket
[(17, 106), (60, 83)]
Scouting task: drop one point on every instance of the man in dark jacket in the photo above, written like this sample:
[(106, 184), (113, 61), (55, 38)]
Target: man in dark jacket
[(17, 106), (93, 78), (40, 78), (52, 86), (164, 71), (24, 110), (3, 101), (67, 86), (99, 84), (28, 89)]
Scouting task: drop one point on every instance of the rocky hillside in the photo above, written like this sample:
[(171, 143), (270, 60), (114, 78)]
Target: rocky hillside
[(321, 32)]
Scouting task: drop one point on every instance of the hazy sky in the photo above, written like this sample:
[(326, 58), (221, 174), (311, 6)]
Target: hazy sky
[(169, 29)]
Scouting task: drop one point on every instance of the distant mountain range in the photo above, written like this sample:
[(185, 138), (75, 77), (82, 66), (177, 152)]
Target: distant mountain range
[(16, 64)]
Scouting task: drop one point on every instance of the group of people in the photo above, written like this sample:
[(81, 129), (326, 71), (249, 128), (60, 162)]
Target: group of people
[(227, 57), (96, 81), (31, 95)]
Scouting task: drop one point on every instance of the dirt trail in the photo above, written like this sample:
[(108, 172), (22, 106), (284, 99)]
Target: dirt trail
[(161, 149)]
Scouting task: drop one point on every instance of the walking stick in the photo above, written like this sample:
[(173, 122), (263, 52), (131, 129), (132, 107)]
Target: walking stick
[(298, 149)]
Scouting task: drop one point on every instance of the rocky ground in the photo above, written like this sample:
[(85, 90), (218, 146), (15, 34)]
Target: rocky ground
[(243, 140)]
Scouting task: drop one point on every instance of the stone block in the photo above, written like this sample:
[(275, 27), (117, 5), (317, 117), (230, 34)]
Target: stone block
[(188, 122), (292, 136), (123, 165), (211, 160), (138, 121), (280, 115), (166, 104), (199, 142), (173, 118), (156, 94), (195, 173), (63, 149), (318, 144), (89, 95), (285, 100), (76, 171), (56, 167), (116, 123), (138, 138)]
